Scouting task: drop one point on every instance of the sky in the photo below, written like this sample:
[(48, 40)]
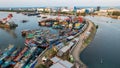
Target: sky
[(70, 3)]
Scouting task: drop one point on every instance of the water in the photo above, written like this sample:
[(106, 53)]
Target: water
[(105, 46), (13, 36)]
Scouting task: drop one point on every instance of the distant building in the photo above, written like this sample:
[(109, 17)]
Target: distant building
[(40, 9), (65, 10), (98, 8), (102, 13), (80, 10), (48, 9), (118, 17), (113, 10), (87, 10), (31, 9), (106, 12)]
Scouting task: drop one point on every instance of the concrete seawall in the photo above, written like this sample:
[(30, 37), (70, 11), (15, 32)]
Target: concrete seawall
[(82, 44)]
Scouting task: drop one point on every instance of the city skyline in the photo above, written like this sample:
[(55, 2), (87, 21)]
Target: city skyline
[(69, 3)]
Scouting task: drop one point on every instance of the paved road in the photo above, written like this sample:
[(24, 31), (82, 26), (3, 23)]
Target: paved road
[(76, 50)]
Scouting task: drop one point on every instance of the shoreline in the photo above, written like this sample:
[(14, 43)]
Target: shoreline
[(82, 44)]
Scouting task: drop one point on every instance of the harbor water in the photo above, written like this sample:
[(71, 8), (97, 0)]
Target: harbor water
[(13, 36), (104, 50)]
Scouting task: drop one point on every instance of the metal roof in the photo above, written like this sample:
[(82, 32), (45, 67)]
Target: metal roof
[(65, 48), (66, 64), (55, 59), (57, 65)]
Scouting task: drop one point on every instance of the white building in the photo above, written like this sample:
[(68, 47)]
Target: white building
[(65, 10), (48, 9), (102, 13), (81, 11), (40, 9)]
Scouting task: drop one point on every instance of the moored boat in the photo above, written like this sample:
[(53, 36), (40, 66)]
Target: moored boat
[(21, 54), (48, 24), (6, 54), (44, 16), (24, 21), (38, 16), (5, 23)]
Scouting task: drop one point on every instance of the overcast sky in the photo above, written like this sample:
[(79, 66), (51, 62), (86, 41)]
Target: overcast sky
[(38, 3)]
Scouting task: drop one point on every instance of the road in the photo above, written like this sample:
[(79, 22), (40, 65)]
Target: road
[(76, 51)]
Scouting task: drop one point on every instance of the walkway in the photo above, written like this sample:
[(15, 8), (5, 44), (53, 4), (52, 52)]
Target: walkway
[(76, 51)]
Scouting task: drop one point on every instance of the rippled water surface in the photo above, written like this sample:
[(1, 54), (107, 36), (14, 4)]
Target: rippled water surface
[(104, 50)]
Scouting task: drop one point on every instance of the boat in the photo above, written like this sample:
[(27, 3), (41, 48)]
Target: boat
[(33, 14), (44, 45), (15, 53), (26, 58), (9, 60), (57, 27), (101, 61), (24, 33), (5, 23), (48, 24), (38, 16), (44, 16), (21, 54), (33, 59), (6, 54), (42, 23), (24, 21), (6, 64)]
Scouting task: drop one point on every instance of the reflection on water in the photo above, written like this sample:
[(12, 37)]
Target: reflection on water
[(10, 31)]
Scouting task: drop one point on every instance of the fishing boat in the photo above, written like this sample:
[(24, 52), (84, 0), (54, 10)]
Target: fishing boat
[(33, 59), (57, 27), (21, 54), (6, 64), (5, 23), (42, 23), (45, 45), (15, 53), (29, 39), (26, 32), (26, 57), (77, 26), (38, 16), (44, 16), (11, 58), (48, 24), (33, 14), (101, 61), (24, 21), (6, 54)]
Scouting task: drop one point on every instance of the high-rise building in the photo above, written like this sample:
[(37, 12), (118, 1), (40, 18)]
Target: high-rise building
[(98, 8)]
